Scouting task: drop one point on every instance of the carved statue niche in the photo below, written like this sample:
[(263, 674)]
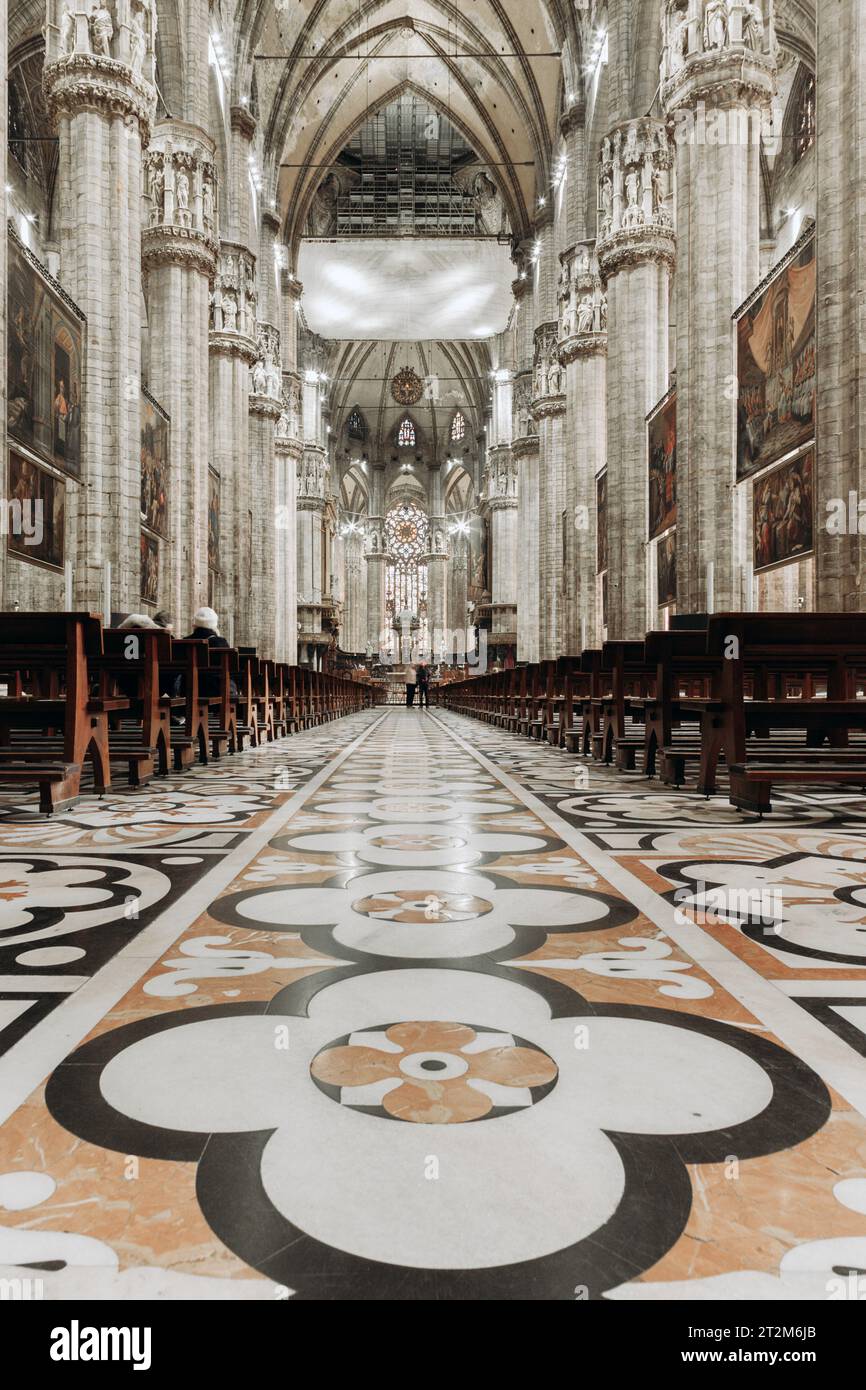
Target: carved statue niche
[(259, 378), (101, 29), (716, 24), (586, 314), (181, 193)]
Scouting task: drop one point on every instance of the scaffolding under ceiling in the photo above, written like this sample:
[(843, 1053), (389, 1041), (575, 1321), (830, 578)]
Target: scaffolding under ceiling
[(406, 157)]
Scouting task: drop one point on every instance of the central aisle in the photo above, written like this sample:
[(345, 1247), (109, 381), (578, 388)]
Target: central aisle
[(417, 1036)]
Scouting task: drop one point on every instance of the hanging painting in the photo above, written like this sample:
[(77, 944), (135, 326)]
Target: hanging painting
[(45, 336), (666, 559), (776, 363), (149, 568), (36, 508), (213, 521), (601, 514), (783, 512), (154, 465), (662, 453)]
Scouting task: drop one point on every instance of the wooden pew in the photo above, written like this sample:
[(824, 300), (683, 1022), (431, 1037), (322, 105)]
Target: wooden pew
[(832, 648), (54, 648)]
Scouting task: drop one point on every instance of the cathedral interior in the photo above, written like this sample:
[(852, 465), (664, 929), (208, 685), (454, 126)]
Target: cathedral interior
[(433, 650)]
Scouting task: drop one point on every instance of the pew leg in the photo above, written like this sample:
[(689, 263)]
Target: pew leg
[(139, 773), (55, 797), (711, 747), (98, 751), (747, 795)]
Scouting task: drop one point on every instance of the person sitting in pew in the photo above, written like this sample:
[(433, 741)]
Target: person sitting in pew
[(205, 628)]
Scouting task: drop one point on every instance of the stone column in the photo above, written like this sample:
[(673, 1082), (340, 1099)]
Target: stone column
[(548, 407), (583, 354), (717, 84), (265, 409), (312, 473), (4, 107), (437, 561), (502, 507), (841, 426), (377, 560), (636, 252), (103, 105), (289, 444), (233, 351), (178, 252)]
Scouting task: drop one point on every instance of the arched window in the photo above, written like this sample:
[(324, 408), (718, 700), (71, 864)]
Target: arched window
[(357, 425), (406, 434), (804, 129), (407, 539), (458, 428)]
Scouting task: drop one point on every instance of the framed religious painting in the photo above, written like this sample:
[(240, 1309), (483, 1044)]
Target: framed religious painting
[(783, 513), (149, 568), (666, 573), (662, 459), (213, 521), (776, 362), (44, 362), (601, 523), (155, 464), (36, 512)]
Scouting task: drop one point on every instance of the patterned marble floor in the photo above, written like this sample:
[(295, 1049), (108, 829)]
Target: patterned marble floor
[(410, 1008)]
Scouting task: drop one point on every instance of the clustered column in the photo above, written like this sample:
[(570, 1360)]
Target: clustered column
[(103, 105), (266, 408), (717, 84), (179, 251), (233, 351), (437, 562), (583, 354), (841, 251), (636, 252), (377, 560)]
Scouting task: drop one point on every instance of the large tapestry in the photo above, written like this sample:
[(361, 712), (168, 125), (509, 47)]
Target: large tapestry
[(666, 557), (783, 512), (601, 522), (776, 364), (154, 465), (213, 521), (45, 334), (149, 568), (36, 509), (662, 454)]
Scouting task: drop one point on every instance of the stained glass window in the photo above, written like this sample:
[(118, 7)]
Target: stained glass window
[(458, 427), (804, 133), (406, 434), (357, 427), (407, 539)]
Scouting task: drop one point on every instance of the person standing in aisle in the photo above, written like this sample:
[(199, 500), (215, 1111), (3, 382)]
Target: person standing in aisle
[(411, 680), (422, 677)]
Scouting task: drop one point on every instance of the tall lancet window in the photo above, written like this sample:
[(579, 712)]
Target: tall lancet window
[(407, 538), (406, 434), (804, 130), (458, 428)]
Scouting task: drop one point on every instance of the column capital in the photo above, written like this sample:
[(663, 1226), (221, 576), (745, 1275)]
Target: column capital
[(547, 394), (234, 299), (573, 118), (291, 285), (180, 199), (243, 121), (90, 82), (719, 52), (582, 304), (271, 222), (635, 197)]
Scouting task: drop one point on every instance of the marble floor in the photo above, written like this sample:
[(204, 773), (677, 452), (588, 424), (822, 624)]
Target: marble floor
[(407, 1007)]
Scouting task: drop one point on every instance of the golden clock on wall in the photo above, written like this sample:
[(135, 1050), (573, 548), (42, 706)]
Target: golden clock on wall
[(407, 386)]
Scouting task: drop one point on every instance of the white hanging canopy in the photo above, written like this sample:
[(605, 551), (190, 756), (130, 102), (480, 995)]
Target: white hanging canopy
[(446, 288)]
